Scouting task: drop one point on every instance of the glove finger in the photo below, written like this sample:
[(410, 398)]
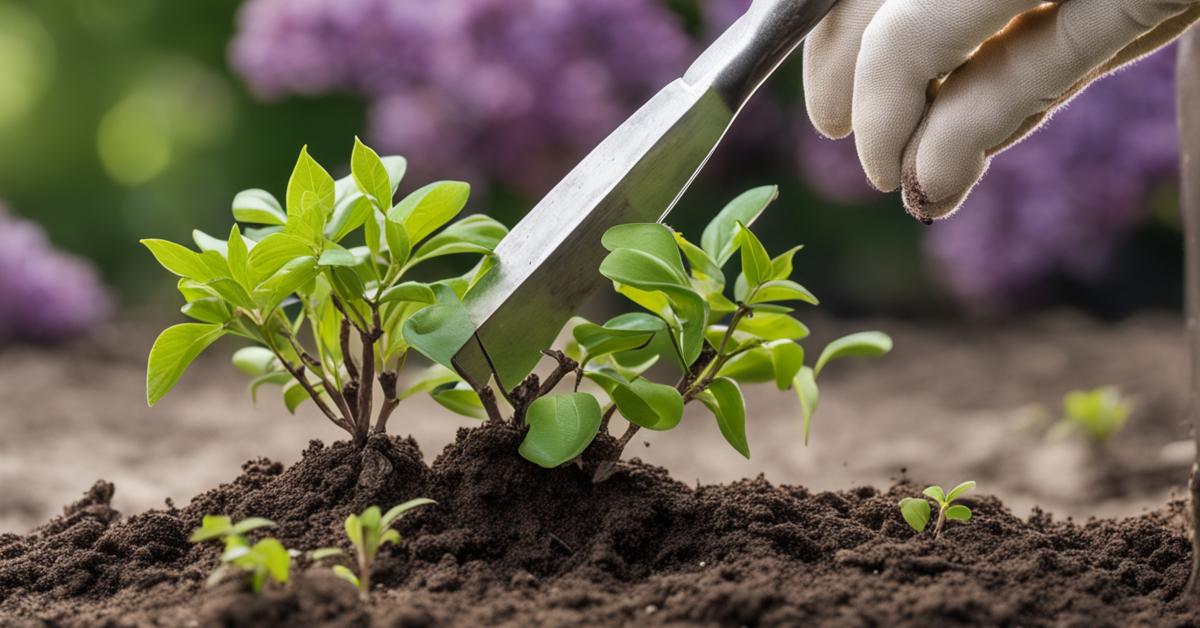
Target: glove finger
[(1011, 84), (830, 52), (908, 44)]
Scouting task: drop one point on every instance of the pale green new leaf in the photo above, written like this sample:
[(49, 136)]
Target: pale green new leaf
[(427, 209), (173, 352), (294, 395), (399, 244), (349, 214), (475, 234), (409, 291), (782, 290), (958, 512), (336, 255), (205, 242), (781, 265), (255, 360), (325, 552), (805, 385), (308, 177), (258, 207), (936, 493), (863, 344), (459, 398), (959, 490), (756, 264), (237, 254), (395, 512), (787, 358), (370, 175), (718, 239), (285, 281), (770, 326), (560, 428), (273, 252), (275, 558), (916, 512), (211, 527), (251, 523), (180, 260), (344, 573)]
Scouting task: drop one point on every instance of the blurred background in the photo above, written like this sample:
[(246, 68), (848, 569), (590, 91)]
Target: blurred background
[(124, 119)]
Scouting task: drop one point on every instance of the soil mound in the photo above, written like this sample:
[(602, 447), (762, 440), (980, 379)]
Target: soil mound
[(512, 544)]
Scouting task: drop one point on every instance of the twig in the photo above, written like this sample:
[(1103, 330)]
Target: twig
[(487, 397), (347, 358), (565, 366), (387, 382), (608, 414), (367, 388)]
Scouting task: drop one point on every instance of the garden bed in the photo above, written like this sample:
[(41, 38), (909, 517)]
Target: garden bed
[(512, 544)]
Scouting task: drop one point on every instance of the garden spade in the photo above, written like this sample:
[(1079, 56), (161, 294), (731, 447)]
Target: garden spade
[(547, 265)]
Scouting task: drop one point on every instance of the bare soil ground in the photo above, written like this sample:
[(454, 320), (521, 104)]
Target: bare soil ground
[(940, 409)]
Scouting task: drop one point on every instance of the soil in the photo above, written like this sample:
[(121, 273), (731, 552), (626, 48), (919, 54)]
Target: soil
[(958, 390), (512, 544)]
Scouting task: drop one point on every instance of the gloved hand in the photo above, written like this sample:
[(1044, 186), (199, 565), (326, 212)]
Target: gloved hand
[(932, 89)]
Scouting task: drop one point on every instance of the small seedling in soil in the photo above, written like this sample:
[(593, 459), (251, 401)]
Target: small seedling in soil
[(266, 558), (718, 331), (368, 532), (916, 510), (1098, 414), (335, 258)]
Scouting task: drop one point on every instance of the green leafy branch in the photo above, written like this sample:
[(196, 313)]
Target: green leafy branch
[(330, 320)]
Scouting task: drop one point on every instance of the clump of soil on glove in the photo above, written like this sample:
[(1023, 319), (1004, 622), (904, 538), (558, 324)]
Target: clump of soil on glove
[(512, 544)]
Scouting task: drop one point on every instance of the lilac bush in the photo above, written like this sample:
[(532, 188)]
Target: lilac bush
[(503, 90), (46, 295), (515, 91)]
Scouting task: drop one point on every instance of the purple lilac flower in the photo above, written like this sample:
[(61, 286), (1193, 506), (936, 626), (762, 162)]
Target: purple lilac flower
[(45, 295), (1062, 200), (513, 91)]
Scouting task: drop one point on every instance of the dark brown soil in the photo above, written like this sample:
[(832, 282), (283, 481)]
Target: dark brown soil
[(511, 544)]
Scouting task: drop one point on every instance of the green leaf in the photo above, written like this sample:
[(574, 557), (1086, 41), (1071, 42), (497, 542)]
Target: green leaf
[(756, 264), (354, 530), (283, 283), (349, 214), (211, 527), (936, 493), (255, 360), (959, 490), (325, 552), (864, 344), (273, 252), (916, 512), (275, 558), (251, 523), (258, 207), (724, 399), (642, 402), (459, 398), (395, 512), (294, 395), (370, 175), (207, 310), (180, 260), (399, 244), (205, 242), (704, 268), (277, 378), (409, 291), (476, 234), (770, 326), (782, 290), (560, 428), (654, 239), (337, 256), (781, 266), (308, 177), (805, 385), (639, 269), (232, 292), (346, 284), (237, 255), (750, 367), (344, 573), (171, 354), (430, 207), (440, 330), (718, 239), (958, 512), (787, 358), (625, 334)]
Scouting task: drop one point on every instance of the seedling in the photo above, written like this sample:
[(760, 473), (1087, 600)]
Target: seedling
[(368, 532), (298, 268), (266, 558), (1097, 413), (716, 339), (916, 510)]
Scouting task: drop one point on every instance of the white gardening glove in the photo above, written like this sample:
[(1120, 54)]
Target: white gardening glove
[(932, 89)]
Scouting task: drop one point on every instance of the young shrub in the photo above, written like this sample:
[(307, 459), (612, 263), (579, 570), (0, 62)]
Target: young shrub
[(267, 558), (368, 532), (1097, 413), (333, 259), (718, 331), (916, 510)]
